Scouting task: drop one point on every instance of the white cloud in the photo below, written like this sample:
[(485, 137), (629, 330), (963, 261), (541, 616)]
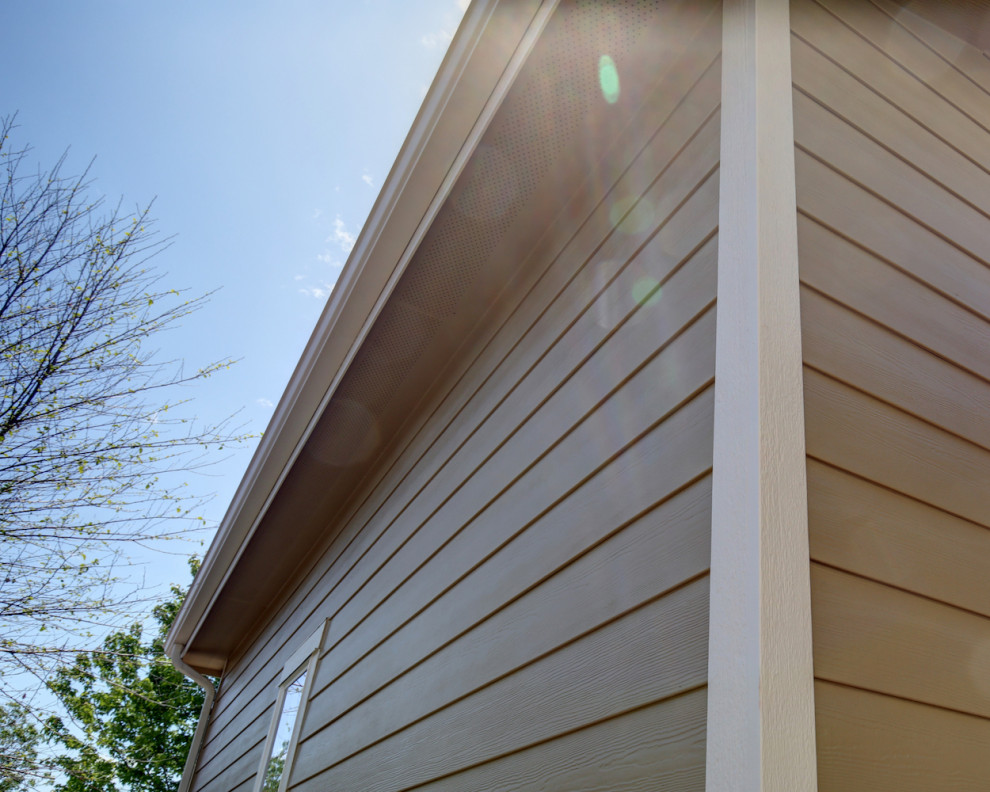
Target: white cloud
[(432, 40), (328, 258), (317, 292), (264, 402), (366, 178), (341, 236), (298, 277), (317, 213), (463, 4)]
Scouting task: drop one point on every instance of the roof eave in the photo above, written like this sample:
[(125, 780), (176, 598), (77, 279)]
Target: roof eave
[(467, 90)]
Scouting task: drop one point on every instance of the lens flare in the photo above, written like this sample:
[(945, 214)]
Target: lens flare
[(646, 291), (609, 307), (608, 79), (632, 215)]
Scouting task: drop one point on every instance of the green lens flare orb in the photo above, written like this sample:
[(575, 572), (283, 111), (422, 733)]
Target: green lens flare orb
[(646, 291), (608, 79)]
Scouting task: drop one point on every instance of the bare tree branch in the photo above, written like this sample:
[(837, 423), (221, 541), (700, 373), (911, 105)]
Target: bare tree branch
[(91, 436)]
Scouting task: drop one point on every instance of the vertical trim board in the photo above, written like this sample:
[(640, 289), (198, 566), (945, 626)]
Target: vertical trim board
[(761, 696)]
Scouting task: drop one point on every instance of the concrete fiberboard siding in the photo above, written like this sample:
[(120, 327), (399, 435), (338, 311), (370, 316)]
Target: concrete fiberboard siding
[(562, 586), (482, 386), (892, 134), (553, 508)]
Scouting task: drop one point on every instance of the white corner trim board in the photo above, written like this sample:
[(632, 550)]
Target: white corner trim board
[(761, 728)]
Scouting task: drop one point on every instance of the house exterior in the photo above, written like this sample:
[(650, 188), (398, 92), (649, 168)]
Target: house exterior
[(643, 444)]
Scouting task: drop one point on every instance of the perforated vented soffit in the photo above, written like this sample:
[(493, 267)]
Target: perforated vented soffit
[(543, 116)]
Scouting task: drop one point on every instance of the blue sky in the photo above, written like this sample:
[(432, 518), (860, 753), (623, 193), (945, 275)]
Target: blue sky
[(262, 130)]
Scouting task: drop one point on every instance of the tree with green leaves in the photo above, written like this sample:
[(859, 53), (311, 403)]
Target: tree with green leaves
[(131, 714), (19, 742)]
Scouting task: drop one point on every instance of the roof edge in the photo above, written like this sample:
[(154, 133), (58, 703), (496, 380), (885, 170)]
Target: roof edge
[(440, 141)]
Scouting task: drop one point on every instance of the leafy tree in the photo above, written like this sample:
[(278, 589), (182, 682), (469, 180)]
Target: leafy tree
[(19, 739), (273, 773), (90, 440), (132, 714)]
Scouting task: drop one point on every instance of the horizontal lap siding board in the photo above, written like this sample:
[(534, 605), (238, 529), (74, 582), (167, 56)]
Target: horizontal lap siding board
[(653, 653), (969, 61), (943, 656), (613, 577), (885, 744), (658, 748), (893, 190), (543, 617), (885, 535), (569, 463)]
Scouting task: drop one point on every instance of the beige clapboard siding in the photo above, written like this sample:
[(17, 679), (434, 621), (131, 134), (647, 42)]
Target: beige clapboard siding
[(503, 410), (872, 115), (683, 73), (689, 450), (927, 67), (890, 79), (856, 432), (500, 380), (497, 447), (314, 754), (673, 134), (247, 736), (894, 239), (682, 124), (691, 291), (542, 614), (532, 549), (888, 234), (261, 726), (873, 743), (613, 578), (652, 653), (607, 432), (853, 348), (826, 136), (659, 748), (875, 532), (239, 769), (670, 376), (871, 636), (969, 61), (654, 126), (855, 278), (520, 461)]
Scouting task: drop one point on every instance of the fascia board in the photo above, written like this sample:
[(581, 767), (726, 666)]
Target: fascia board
[(441, 139)]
